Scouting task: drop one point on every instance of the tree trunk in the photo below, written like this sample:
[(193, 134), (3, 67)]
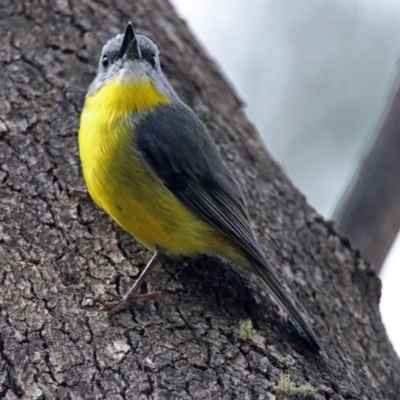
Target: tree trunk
[(59, 251), (370, 212)]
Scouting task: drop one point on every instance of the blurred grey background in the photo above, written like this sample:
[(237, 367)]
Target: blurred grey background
[(316, 76)]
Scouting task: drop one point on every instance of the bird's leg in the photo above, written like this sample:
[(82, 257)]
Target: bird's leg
[(132, 296)]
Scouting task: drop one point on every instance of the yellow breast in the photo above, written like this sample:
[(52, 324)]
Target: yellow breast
[(118, 181)]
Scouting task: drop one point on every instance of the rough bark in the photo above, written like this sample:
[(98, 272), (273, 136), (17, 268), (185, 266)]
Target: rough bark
[(59, 252), (370, 212)]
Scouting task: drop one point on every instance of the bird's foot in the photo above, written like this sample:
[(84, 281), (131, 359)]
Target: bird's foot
[(74, 191), (121, 303)]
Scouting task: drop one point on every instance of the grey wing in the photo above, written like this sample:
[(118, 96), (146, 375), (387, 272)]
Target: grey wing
[(178, 149)]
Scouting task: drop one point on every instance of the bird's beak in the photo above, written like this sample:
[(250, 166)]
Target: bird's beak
[(130, 45)]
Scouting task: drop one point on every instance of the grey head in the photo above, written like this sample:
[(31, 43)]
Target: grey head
[(128, 58)]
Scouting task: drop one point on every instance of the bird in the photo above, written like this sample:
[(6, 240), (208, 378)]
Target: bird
[(151, 164)]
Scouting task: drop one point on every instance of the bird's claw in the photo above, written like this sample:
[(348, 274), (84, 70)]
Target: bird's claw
[(122, 303)]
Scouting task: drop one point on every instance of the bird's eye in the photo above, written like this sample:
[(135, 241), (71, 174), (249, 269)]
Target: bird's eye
[(153, 61), (104, 60)]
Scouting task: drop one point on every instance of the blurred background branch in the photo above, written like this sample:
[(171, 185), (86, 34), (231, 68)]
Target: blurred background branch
[(370, 213)]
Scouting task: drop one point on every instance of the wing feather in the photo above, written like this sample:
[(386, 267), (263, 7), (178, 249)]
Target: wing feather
[(179, 151)]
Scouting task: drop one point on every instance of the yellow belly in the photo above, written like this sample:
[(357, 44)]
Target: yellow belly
[(119, 183)]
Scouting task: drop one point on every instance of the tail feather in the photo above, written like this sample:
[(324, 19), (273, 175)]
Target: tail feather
[(264, 270)]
